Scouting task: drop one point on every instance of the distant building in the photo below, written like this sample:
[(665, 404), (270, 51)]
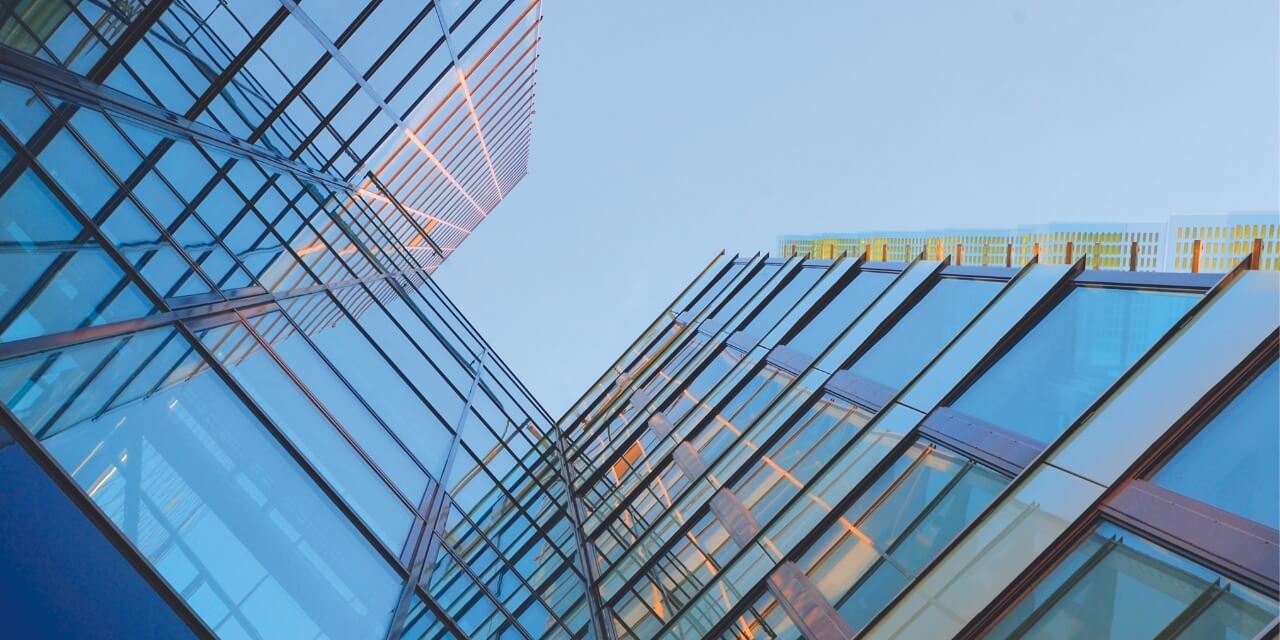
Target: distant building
[(1145, 246)]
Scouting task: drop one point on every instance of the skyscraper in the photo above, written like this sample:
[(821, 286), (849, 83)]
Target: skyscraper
[(875, 449), (234, 403)]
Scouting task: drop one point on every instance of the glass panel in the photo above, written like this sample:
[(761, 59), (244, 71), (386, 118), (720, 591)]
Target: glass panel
[(53, 275), (1079, 349), (187, 473), (312, 433), (838, 314), (371, 374), (1236, 449), (782, 302), (739, 298), (342, 403), (1117, 585), (886, 538), (924, 331), (422, 623)]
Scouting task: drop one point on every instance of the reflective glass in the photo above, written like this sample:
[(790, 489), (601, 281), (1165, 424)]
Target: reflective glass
[(1070, 357), (53, 275), (1118, 585), (739, 298), (373, 377), (342, 403), (892, 531), (839, 313), (312, 433), (187, 473), (782, 302), (422, 623), (1236, 449), (924, 331)]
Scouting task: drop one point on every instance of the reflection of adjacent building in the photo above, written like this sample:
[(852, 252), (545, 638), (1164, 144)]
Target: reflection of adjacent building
[(1160, 246), (881, 448)]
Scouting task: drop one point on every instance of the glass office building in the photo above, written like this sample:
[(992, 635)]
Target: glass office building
[(859, 448), (233, 403)]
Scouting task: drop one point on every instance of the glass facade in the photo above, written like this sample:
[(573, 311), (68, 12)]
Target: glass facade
[(219, 338), (926, 449), (234, 403)]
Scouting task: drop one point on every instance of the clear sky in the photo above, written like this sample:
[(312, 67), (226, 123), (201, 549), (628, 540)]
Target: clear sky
[(667, 131)]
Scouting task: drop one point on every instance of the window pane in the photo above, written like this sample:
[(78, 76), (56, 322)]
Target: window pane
[(1067, 360), (342, 403), (187, 473), (374, 379), (893, 530), (53, 276), (782, 302), (923, 332), (1117, 585), (310, 432), (1236, 449), (838, 314), (740, 297)]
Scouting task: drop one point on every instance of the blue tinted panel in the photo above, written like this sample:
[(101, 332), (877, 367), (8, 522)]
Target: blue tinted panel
[(374, 378), (922, 333), (215, 503), (837, 315), (782, 302), (739, 298), (343, 404), (311, 433), (1236, 449), (39, 525), (53, 276), (1067, 360)]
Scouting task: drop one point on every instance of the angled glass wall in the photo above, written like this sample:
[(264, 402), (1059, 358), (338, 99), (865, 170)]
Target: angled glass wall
[(899, 428), (218, 333)]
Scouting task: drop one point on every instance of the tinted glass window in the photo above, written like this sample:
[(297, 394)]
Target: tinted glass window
[(1067, 360), (838, 314), (923, 332), (782, 302), (207, 495), (1236, 449), (1117, 585)]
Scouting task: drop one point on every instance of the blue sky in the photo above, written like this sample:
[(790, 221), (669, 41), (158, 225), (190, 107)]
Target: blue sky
[(667, 131)]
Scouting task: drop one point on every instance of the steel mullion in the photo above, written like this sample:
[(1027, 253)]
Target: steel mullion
[(509, 570), (125, 187), (481, 591), (660, 320), (35, 344), (432, 509), (748, 465), (54, 80), (666, 460), (896, 451), (668, 392), (133, 34), (509, 505)]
